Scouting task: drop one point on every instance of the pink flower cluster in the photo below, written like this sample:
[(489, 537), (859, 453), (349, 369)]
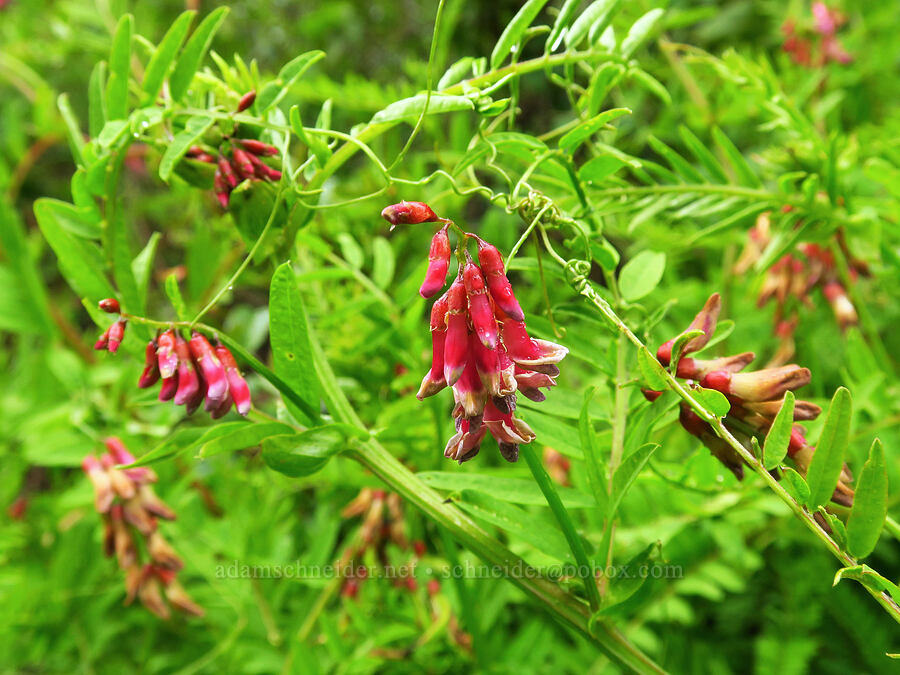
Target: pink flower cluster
[(130, 509), (819, 44), (480, 345)]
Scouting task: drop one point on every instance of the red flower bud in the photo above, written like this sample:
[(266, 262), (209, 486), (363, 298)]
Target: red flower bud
[(246, 100), (419, 547), (651, 395), (188, 382), (501, 290), (168, 388), (438, 263), (409, 213), (212, 370), (103, 341), (434, 380), (165, 354), (116, 333), (705, 320), (759, 385), (151, 367), (697, 369), (434, 587), (257, 147), (262, 170), (240, 392), (110, 306), (457, 342), (242, 163), (480, 310), (227, 172)]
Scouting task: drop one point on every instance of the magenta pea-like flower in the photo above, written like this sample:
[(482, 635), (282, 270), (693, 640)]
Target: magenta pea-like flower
[(480, 344)]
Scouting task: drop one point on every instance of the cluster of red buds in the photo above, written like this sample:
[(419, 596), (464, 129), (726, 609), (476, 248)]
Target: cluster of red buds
[(755, 397), (112, 336), (238, 159), (790, 281), (480, 345), (130, 508), (801, 45), (193, 371)]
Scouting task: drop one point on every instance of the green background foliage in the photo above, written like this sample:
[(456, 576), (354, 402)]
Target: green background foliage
[(662, 144)]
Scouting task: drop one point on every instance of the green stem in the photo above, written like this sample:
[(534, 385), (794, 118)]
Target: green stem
[(583, 287), (585, 569), (240, 270)]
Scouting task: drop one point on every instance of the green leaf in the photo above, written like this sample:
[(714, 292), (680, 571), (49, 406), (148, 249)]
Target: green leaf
[(276, 90), (96, 99), (679, 165), (514, 31), (174, 295), (193, 53), (652, 371), (316, 144), (641, 274), (527, 527), (703, 155), (196, 126), (627, 473), (746, 175), (870, 579), (291, 351), (714, 401), (679, 346), (79, 261), (639, 31), (869, 504), (512, 490), (592, 455), (384, 262), (351, 251), (779, 436), (251, 206), (828, 459), (239, 437), (597, 169), (571, 140), (305, 453), (599, 13), (625, 585), (410, 109), (119, 70), (73, 130), (164, 56), (121, 262), (142, 266), (795, 485), (561, 25)]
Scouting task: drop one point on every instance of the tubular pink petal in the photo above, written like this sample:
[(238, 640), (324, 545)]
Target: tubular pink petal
[(237, 385), (501, 290), (480, 310), (438, 264), (165, 354), (457, 340), (188, 382), (212, 370), (706, 320)]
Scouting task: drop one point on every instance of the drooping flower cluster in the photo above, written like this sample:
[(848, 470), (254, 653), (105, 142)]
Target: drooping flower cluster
[(755, 397), (817, 43), (236, 159), (130, 510), (480, 345), (193, 371), (790, 281)]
